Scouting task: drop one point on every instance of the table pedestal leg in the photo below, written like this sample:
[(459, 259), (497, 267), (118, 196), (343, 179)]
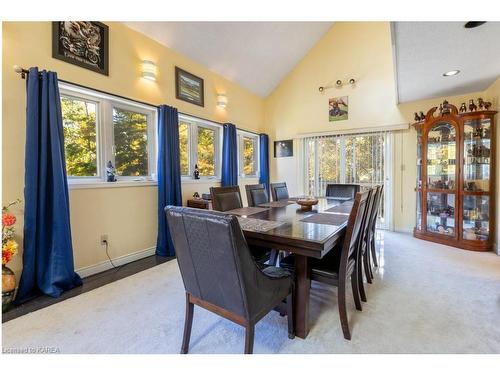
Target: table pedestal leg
[(302, 287)]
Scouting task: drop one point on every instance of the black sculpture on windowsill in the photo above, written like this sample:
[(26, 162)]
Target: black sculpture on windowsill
[(196, 172), (110, 172)]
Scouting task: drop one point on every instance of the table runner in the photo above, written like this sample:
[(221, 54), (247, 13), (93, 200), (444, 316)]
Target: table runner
[(329, 219), (258, 225)]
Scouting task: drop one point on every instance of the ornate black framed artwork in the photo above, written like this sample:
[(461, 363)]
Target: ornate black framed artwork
[(82, 43), (189, 87)]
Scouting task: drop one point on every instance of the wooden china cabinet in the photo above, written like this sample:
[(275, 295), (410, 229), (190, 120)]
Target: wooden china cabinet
[(456, 178)]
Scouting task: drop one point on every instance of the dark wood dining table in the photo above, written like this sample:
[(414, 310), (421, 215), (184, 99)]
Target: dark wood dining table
[(282, 227)]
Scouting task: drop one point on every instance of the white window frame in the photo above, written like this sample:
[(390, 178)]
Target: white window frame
[(105, 103), (244, 134), (193, 125)]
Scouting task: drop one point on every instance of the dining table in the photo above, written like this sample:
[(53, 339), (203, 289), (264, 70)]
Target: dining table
[(284, 225)]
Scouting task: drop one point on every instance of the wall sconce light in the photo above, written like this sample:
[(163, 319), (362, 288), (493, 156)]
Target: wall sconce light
[(221, 101), (338, 83), (149, 70)]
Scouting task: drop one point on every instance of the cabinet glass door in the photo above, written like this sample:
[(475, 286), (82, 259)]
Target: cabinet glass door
[(441, 157), (441, 213), (477, 148), (476, 221)]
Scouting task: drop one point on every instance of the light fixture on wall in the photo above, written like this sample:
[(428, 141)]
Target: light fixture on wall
[(338, 84), (451, 73), (148, 70), (221, 101)]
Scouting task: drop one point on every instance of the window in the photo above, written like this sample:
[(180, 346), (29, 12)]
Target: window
[(248, 154), (352, 158), (200, 144), (99, 128)]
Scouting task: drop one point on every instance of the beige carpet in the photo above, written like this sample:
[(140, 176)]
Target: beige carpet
[(426, 298)]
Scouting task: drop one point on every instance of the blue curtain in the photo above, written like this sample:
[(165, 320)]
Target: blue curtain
[(264, 160), (48, 253), (169, 174), (229, 156)]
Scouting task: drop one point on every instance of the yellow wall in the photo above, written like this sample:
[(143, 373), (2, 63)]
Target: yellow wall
[(363, 51), (126, 214)]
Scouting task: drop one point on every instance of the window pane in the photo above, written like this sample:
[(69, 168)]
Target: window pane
[(206, 151), (329, 162), (131, 142), (249, 156), (184, 147), (80, 142)]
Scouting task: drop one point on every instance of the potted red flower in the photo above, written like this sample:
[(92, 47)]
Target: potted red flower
[(9, 250)]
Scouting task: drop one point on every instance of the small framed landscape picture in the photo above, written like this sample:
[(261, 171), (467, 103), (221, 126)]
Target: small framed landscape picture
[(189, 87), (283, 149), (338, 108), (82, 43)]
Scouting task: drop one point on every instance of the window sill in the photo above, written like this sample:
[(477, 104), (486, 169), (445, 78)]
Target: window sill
[(200, 181), (108, 185)]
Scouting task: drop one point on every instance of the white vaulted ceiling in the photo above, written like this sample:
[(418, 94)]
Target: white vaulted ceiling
[(255, 55), (426, 50)]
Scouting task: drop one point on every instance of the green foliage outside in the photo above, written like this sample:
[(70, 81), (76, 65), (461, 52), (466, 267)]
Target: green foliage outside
[(131, 143), (248, 156), (184, 147), (79, 118), (206, 151)]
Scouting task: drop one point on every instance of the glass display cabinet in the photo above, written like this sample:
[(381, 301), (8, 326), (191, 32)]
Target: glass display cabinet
[(455, 177)]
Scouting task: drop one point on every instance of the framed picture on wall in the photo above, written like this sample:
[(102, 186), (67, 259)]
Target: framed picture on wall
[(189, 87), (338, 108), (283, 149), (82, 43)]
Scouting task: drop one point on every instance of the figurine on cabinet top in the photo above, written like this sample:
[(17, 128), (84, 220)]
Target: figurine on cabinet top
[(472, 106), (446, 108), (416, 117), (481, 103), (422, 116), (463, 108)]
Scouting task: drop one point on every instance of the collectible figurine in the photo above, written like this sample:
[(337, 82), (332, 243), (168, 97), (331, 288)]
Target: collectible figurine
[(487, 105), (446, 108), (463, 108), (417, 117), (481, 103), (196, 172), (110, 172), (472, 106), (196, 195), (441, 109), (422, 116)]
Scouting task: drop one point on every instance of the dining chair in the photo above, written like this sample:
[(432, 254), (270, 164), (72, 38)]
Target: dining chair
[(365, 263), (342, 262), (220, 275), (373, 224), (279, 191), (342, 192), (256, 194), (226, 198)]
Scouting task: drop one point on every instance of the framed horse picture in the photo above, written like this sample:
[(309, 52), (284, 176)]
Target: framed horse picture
[(82, 43)]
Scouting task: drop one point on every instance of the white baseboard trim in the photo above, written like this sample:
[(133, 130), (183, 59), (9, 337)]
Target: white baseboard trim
[(119, 261)]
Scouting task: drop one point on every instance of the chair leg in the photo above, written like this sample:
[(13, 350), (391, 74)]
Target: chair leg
[(355, 292), (188, 323), (359, 276), (366, 264), (289, 312), (273, 257), (343, 311), (249, 335), (373, 250)]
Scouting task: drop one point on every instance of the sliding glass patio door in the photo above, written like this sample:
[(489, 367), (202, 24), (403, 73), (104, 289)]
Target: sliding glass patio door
[(362, 159)]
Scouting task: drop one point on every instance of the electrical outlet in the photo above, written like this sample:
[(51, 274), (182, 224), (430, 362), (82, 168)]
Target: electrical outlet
[(104, 239)]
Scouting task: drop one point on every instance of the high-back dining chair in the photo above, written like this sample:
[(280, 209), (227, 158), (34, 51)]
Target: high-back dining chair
[(363, 244), (343, 261), (229, 198), (219, 274), (226, 198), (373, 224), (342, 192), (279, 191), (256, 194)]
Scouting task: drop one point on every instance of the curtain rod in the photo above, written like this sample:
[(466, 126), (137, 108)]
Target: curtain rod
[(23, 72)]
